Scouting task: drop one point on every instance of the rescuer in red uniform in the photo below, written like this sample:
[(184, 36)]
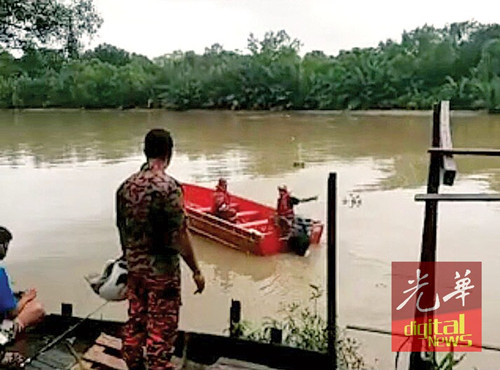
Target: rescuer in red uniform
[(221, 206), (284, 209)]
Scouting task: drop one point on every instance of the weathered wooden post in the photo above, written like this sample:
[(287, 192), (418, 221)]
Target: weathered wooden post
[(234, 318), (332, 267), (441, 139), (429, 235), (66, 309), (442, 166), (276, 336)]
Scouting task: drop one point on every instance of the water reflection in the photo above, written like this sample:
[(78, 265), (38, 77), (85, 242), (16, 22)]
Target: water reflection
[(247, 144), (59, 172)]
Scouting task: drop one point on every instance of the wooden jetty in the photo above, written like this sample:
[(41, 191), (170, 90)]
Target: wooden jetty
[(442, 171), (95, 344)]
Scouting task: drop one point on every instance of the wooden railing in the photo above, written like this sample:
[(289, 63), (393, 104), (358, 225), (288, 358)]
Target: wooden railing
[(442, 167)]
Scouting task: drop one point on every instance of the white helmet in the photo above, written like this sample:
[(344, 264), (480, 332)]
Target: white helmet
[(112, 283)]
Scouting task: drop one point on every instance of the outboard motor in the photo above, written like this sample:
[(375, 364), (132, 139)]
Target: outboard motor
[(299, 238)]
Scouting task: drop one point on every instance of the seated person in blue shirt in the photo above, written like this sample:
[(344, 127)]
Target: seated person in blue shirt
[(23, 312)]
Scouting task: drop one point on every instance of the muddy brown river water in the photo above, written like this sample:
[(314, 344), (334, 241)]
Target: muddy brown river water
[(59, 171)]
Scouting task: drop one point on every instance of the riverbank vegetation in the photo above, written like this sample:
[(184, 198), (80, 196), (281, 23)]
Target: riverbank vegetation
[(459, 62), (303, 327)]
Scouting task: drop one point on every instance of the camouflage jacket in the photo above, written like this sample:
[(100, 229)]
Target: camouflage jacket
[(149, 216)]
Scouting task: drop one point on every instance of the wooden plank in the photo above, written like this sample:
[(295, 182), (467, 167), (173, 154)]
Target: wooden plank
[(96, 354), (251, 224), (448, 163), (466, 151), (225, 232), (458, 197), (83, 365), (56, 359), (106, 340), (246, 213), (203, 209), (232, 364)]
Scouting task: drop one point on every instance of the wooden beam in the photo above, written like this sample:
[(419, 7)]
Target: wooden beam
[(96, 354), (448, 163), (234, 319), (109, 341), (253, 224), (458, 197), (429, 234), (82, 365), (331, 269), (466, 151)]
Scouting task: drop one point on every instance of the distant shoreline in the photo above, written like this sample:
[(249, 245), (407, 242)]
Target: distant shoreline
[(369, 112)]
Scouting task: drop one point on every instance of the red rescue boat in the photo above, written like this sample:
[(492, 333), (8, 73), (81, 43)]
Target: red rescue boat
[(254, 230)]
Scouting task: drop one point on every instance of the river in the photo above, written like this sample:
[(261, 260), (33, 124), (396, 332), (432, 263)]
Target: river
[(59, 171)]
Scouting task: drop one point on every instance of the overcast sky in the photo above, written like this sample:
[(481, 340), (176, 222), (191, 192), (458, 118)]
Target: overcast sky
[(157, 27)]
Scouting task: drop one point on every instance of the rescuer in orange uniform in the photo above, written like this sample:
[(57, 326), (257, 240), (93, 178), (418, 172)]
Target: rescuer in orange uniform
[(221, 206), (284, 209)]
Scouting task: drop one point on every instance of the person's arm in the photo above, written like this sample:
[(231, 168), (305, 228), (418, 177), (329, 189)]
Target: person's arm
[(27, 297), (219, 202), (303, 200), (175, 221), (187, 253), (120, 219), (294, 201)]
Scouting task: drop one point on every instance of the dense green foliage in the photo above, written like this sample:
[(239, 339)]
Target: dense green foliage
[(460, 62), (30, 24)]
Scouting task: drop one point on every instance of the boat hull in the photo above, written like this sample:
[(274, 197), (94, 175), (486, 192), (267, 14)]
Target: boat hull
[(254, 230)]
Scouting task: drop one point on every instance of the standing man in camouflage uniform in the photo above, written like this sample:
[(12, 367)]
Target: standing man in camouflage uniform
[(153, 233)]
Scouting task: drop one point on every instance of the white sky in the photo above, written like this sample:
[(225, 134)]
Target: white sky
[(157, 27)]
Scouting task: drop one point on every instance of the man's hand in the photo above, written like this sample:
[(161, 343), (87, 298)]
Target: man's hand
[(29, 295), (199, 280), (26, 298)]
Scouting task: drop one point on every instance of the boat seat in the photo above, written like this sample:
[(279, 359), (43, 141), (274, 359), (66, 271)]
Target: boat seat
[(209, 209), (247, 213), (252, 224)]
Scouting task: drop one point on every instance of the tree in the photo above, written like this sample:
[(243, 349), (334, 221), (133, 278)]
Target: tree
[(43, 22), (109, 54)]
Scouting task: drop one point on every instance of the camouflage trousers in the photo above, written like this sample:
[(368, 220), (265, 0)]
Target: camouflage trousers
[(154, 303)]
